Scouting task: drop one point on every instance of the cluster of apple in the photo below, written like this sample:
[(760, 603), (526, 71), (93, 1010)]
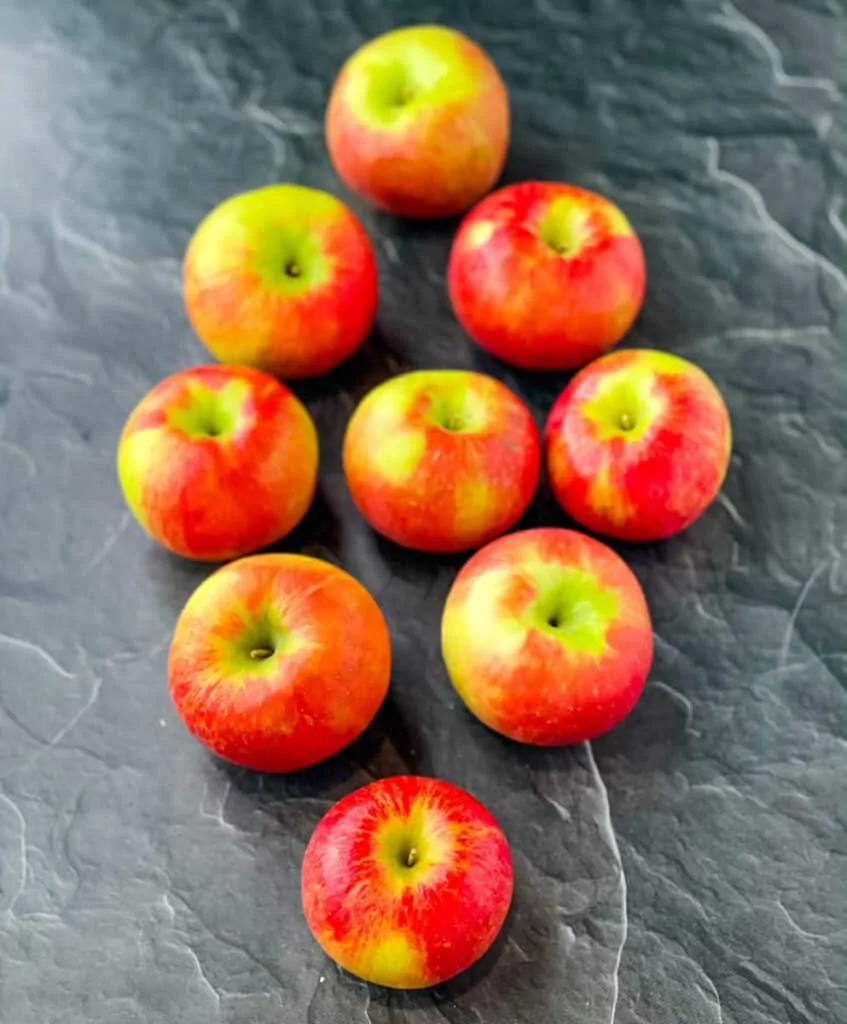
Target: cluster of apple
[(279, 660)]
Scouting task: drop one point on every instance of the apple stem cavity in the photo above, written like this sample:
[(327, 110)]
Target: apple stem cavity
[(405, 95), (292, 269)]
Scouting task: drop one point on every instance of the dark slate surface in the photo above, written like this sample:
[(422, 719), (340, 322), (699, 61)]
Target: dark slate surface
[(689, 867)]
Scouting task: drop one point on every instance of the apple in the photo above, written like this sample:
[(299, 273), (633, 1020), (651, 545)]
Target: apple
[(441, 460), (638, 445), (282, 278), (546, 276), (278, 661), (418, 122), (218, 461), (546, 637), (406, 882)]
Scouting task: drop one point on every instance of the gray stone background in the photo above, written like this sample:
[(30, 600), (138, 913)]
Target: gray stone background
[(688, 868)]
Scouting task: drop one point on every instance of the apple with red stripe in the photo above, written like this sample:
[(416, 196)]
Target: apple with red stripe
[(418, 122), (546, 276), (441, 460), (279, 661), (282, 278), (546, 637), (218, 461), (407, 882), (638, 445)]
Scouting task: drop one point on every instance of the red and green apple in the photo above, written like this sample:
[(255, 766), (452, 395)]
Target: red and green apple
[(441, 460), (282, 278), (546, 276), (407, 882), (546, 637), (418, 122), (278, 661), (218, 461), (638, 445)]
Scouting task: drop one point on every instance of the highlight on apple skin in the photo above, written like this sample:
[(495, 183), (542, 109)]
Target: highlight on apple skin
[(545, 275), (441, 460), (407, 882), (218, 461), (638, 445), (546, 637), (282, 278), (279, 661), (418, 122)]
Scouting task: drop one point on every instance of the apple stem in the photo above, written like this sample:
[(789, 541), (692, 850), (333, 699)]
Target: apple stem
[(293, 269), (261, 653), (411, 858), (627, 422)]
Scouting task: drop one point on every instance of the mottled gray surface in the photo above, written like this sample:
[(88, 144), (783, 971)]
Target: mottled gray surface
[(691, 867)]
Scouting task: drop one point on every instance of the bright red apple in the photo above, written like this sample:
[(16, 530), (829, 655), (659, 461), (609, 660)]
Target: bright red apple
[(441, 460), (546, 276), (218, 461), (638, 445), (546, 637), (406, 882), (282, 278), (279, 661), (418, 122)]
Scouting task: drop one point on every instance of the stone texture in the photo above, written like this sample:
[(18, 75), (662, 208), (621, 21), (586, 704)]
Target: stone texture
[(691, 866)]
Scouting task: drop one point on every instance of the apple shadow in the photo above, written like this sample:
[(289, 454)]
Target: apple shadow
[(417, 229), (402, 747), (415, 564), (320, 529), (319, 781), (374, 361), (538, 388), (174, 576), (532, 159)]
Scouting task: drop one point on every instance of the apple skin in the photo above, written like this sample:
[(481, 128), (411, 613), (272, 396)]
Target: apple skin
[(398, 925), (418, 122), (218, 461), (279, 661), (546, 276), (650, 477), (282, 278), (546, 637), (441, 460)]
